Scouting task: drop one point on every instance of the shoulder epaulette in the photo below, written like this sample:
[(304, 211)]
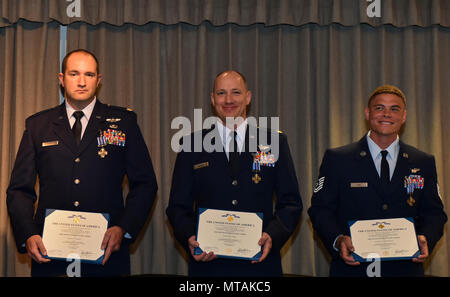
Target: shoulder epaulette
[(120, 108), (42, 112)]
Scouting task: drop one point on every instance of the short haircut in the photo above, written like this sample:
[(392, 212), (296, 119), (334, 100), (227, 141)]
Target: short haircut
[(229, 71), (387, 89), (80, 50)]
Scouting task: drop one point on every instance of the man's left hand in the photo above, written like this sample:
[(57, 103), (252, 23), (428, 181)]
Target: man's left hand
[(112, 241), (266, 242), (423, 246)]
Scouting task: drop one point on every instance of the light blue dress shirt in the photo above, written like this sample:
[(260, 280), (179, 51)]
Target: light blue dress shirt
[(391, 157)]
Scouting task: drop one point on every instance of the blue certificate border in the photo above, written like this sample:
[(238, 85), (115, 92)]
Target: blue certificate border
[(358, 258), (98, 261), (199, 251)]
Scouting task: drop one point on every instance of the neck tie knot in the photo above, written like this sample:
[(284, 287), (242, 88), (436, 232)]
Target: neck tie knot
[(78, 114)]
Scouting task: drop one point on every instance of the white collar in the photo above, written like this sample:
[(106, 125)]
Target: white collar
[(375, 150), (87, 110), (224, 132)]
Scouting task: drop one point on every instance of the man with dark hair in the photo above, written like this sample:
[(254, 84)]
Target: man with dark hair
[(368, 180), (77, 172), (80, 50), (227, 179)]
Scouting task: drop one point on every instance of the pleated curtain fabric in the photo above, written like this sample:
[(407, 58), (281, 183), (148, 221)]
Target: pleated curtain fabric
[(28, 84)]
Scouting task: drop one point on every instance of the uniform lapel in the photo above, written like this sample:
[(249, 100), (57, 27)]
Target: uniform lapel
[(246, 157), (96, 123), (368, 166), (219, 157), (61, 127), (402, 169)]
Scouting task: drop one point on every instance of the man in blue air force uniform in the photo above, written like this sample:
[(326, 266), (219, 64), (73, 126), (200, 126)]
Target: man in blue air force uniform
[(81, 152), (377, 177), (226, 179)]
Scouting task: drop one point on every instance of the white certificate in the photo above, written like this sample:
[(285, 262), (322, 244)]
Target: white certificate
[(385, 239), (74, 234), (229, 234)]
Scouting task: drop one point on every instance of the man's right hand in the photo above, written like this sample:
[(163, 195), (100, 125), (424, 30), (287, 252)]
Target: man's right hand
[(36, 248), (203, 257), (345, 247)]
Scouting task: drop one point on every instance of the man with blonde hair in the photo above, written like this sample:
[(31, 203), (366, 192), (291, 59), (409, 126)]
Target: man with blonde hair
[(369, 179)]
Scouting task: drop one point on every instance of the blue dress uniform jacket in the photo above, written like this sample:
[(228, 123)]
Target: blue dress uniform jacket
[(79, 179), (214, 186), (335, 201)]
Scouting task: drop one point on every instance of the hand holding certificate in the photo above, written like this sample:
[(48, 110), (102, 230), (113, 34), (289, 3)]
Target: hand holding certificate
[(386, 239), (229, 234), (69, 234)]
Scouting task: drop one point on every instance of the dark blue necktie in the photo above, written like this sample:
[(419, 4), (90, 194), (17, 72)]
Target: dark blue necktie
[(384, 174), (76, 129), (233, 155)]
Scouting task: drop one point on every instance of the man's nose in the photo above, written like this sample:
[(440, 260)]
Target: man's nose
[(228, 98), (387, 113), (82, 81)]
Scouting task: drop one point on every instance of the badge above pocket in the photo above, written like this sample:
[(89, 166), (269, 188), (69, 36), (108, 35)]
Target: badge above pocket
[(359, 185), (50, 143), (201, 165)]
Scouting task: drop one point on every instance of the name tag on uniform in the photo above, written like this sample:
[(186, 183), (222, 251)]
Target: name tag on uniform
[(201, 165), (359, 185), (50, 143)]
